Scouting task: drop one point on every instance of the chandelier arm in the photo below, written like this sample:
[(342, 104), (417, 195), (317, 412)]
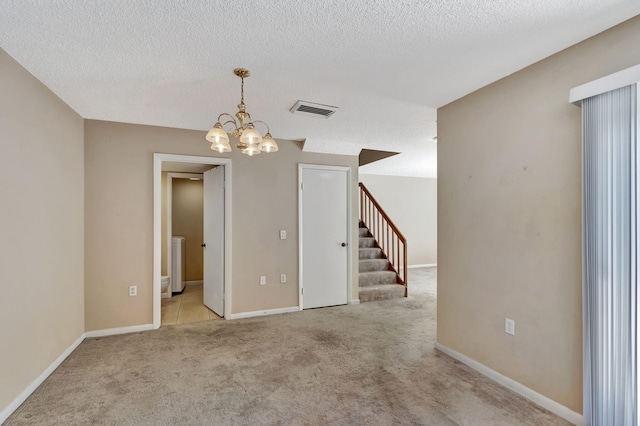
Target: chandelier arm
[(244, 119), (262, 122), (227, 114), (235, 127), (232, 121)]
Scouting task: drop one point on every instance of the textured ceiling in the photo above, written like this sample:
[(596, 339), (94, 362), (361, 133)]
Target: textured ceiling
[(386, 63)]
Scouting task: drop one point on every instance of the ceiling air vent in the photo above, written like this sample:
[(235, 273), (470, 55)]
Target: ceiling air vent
[(315, 110)]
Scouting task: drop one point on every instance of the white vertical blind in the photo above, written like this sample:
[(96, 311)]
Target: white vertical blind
[(610, 257)]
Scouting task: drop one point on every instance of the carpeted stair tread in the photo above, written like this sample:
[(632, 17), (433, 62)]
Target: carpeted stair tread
[(367, 279), (370, 253), (367, 242), (370, 265), (376, 279), (381, 292)]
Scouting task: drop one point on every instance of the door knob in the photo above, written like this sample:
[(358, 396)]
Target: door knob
[(343, 244), (203, 245)]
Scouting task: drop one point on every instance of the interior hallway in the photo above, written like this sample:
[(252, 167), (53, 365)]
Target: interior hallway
[(372, 363), (186, 307)]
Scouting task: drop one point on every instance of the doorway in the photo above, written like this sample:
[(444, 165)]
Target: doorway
[(185, 297), (324, 212), (216, 246), (182, 227)]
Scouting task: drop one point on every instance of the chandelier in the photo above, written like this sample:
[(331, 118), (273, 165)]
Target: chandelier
[(250, 141)]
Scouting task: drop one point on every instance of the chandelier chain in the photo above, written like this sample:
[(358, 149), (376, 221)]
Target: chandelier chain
[(242, 91)]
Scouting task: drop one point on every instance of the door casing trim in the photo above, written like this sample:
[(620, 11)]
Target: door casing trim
[(158, 159), (301, 167)]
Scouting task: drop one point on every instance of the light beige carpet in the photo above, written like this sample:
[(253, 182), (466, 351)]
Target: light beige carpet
[(368, 364)]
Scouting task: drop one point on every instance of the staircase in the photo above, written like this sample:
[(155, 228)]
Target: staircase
[(378, 281)]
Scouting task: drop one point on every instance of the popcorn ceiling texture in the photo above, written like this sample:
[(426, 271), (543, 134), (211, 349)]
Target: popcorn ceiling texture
[(387, 64)]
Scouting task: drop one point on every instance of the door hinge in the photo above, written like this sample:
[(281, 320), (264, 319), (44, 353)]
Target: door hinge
[(301, 185), (302, 291)]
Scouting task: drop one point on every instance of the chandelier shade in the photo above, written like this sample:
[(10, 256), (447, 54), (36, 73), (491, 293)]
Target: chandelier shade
[(217, 134), (268, 144), (250, 141), (250, 135), (221, 147), (251, 150)]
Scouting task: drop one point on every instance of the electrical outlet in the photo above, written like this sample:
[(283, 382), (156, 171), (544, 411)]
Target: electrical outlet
[(133, 290), (510, 326), (263, 280), (283, 278), (283, 234)]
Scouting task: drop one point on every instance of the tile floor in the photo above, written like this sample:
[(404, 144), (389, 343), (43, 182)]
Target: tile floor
[(186, 307)]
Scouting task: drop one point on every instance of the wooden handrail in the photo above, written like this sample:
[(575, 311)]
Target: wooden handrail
[(389, 238)]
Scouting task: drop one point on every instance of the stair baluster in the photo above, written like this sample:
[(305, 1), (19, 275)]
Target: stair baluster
[(392, 243)]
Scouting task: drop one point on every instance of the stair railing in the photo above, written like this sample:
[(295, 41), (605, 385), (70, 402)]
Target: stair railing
[(391, 241)]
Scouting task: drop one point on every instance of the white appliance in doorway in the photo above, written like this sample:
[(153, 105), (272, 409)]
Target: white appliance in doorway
[(178, 264), (324, 235)]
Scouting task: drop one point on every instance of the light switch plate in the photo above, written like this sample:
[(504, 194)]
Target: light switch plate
[(510, 326), (283, 234), (263, 280)]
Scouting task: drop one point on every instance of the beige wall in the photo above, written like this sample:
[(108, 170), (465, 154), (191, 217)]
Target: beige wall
[(119, 216), (41, 223), (187, 221), (509, 194), (411, 203)]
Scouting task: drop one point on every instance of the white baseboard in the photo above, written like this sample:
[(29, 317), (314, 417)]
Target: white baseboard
[(197, 282), (354, 302), (424, 265), (262, 313), (118, 330), (531, 395), (4, 414)]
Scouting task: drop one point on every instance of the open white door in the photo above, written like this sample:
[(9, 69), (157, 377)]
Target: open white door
[(324, 228), (213, 288)]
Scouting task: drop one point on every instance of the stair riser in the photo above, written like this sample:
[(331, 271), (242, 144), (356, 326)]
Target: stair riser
[(375, 294), (370, 265), (367, 279), (370, 253), (367, 242), (376, 280)]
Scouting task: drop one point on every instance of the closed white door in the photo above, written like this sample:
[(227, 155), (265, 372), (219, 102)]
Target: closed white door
[(213, 274), (324, 236)]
